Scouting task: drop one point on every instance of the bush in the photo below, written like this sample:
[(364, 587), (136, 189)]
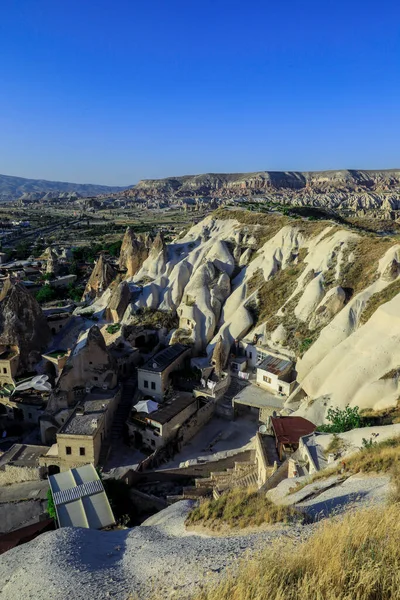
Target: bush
[(46, 294), (113, 328), (342, 420), (51, 509)]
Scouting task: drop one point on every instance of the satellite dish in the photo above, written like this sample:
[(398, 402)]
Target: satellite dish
[(262, 429), (155, 365)]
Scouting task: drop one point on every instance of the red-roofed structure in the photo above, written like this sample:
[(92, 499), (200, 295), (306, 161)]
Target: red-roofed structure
[(288, 431)]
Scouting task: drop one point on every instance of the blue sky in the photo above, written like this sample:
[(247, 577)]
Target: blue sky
[(113, 91)]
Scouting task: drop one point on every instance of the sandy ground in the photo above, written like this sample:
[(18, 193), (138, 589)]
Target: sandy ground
[(160, 557)]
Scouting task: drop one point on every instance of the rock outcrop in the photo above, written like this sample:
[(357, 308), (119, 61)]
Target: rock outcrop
[(101, 277), (22, 324), (118, 303), (134, 252)]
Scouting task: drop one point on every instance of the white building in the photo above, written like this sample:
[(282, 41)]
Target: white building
[(276, 374), (153, 377)]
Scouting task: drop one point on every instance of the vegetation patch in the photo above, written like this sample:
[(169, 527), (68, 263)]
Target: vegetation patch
[(151, 318), (241, 508), (362, 270), (355, 558), (381, 297), (341, 420), (113, 328)]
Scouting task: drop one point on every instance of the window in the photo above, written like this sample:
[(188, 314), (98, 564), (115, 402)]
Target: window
[(250, 355), (153, 443), (68, 450), (153, 385), (146, 383), (82, 451), (235, 367), (4, 370), (267, 379), (95, 378), (280, 388)]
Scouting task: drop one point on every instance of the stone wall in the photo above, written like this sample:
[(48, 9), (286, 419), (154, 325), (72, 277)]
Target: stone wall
[(197, 422), (11, 474)]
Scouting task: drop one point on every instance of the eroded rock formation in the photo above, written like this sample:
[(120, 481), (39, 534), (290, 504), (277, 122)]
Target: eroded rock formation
[(134, 252), (101, 277), (22, 324)]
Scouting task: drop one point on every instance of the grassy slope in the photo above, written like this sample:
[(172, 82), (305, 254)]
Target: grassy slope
[(240, 508), (357, 558)]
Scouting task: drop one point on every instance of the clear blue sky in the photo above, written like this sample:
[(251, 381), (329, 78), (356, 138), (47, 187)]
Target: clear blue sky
[(113, 91)]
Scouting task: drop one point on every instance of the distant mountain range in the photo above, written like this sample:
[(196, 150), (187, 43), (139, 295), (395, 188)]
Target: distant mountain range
[(223, 184), (12, 188)]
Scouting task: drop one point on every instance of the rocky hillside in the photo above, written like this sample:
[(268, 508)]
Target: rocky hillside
[(322, 294), (346, 190), (12, 188), (22, 324)]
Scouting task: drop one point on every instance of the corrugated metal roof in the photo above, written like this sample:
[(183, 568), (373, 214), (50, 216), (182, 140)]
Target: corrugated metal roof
[(85, 489), (274, 365), (80, 499), (288, 430)]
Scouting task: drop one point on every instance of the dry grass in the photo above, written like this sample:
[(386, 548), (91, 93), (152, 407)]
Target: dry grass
[(380, 298), (382, 457), (363, 270), (337, 444), (356, 558), (241, 508)]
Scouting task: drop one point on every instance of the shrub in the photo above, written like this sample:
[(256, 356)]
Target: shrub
[(342, 420), (113, 328), (51, 509)]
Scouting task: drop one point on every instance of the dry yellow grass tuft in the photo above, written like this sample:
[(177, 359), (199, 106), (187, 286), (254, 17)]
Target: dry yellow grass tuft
[(241, 508), (356, 558), (383, 457)]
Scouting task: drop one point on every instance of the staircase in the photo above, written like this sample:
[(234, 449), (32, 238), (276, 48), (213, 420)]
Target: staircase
[(242, 475)]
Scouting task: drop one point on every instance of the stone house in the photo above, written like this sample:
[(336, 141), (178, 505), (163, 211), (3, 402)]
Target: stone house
[(153, 377), (86, 432), (9, 362), (154, 430)]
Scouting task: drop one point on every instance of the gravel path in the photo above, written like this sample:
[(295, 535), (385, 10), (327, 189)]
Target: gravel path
[(159, 557)]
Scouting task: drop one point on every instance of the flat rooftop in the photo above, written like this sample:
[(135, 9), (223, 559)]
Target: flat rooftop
[(275, 365), (172, 408), (23, 455), (252, 395), (165, 358), (95, 405)]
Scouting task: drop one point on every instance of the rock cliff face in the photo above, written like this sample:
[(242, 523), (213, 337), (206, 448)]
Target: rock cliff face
[(307, 290), (335, 190), (101, 277), (22, 324), (134, 252)]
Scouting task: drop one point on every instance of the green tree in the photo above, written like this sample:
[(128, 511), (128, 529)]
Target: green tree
[(46, 294)]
